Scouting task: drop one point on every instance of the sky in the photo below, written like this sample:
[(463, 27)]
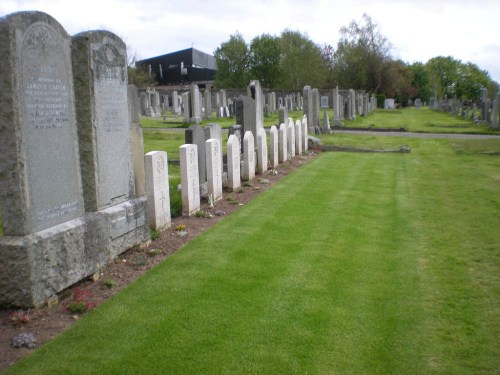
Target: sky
[(468, 30)]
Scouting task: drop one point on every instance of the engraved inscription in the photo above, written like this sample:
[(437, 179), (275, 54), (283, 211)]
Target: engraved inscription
[(48, 127)]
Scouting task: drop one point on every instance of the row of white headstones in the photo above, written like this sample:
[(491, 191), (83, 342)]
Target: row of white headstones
[(285, 142)]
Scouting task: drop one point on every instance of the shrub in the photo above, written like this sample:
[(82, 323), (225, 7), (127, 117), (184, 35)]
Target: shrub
[(81, 302)]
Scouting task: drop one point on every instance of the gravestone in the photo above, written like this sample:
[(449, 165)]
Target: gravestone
[(40, 185), (207, 100), (298, 137), (196, 134), (308, 104), (283, 115), (233, 162), (237, 131), (187, 107), (261, 151), (282, 144), (273, 146), (156, 167), (326, 124), (418, 103), (316, 110), (389, 103), (190, 183), (103, 124), (214, 168), (195, 108), (254, 92), (305, 143), (176, 109), (245, 113), (101, 92), (137, 142), (290, 141), (336, 107), (324, 102), (144, 103), (248, 157)]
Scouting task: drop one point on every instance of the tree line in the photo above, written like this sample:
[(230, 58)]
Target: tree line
[(361, 60)]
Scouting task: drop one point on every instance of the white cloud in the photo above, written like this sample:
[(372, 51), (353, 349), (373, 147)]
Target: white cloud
[(467, 30)]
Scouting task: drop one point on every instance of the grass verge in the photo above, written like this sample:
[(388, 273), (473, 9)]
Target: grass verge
[(357, 263)]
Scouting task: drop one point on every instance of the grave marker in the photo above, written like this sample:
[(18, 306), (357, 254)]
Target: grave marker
[(273, 146), (190, 183), (261, 151), (233, 162), (156, 167), (214, 168), (248, 157)]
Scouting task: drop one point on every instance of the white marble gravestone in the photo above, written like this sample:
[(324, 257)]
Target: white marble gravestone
[(190, 183), (157, 187)]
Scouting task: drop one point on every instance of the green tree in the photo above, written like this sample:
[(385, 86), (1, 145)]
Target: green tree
[(232, 59), (471, 81), (420, 81), (362, 52), (493, 89), (301, 61), (443, 73), (451, 77), (138, 75), (396, 81), (265, 60)]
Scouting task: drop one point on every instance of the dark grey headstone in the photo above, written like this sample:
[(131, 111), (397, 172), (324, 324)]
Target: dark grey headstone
[(39, 170), (100, 71)]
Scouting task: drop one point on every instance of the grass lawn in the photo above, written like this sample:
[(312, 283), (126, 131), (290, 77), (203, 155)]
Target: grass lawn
[(354, 264), (177, 121), (423, 120)]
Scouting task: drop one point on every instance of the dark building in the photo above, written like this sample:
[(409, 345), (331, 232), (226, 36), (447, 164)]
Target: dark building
[(181, 68)]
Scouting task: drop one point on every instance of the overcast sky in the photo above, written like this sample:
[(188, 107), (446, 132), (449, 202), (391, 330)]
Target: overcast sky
[(468, 30)]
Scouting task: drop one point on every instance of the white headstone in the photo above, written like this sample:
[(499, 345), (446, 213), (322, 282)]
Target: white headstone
[(291, 138), (233, 162), (261, 151), (282, 146), (156, 168), (248, 157), (305, 144), (273, 146), (214, 171), (190, 183), (298, 137)]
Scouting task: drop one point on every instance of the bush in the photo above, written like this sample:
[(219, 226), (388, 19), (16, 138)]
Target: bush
[(380, 100)]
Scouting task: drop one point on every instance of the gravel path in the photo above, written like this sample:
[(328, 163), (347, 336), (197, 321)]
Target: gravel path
[(420, 135)]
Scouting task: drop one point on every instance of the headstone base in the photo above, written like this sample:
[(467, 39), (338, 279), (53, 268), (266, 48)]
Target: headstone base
[(35, 267)]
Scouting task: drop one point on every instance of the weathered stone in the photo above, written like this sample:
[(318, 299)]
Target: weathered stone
[(189, 179), (233, 162), (248, 157), (214, 168), (273, 146), (157, 184), (282, 143), (261, 151)]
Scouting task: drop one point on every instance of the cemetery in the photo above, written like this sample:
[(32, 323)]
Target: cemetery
[(205, 230)]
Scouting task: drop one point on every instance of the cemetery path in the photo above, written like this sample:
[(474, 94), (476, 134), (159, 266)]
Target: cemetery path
[(46, 323), (420, 135)]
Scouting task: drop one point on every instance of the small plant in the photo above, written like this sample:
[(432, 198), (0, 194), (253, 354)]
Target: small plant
[(232, 201), (203, 214), (154, 234), (247, 184), (180, 227), (81, 302), (109, 283), (240, 190), (19, 317), (273, 172), (154, 252)]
